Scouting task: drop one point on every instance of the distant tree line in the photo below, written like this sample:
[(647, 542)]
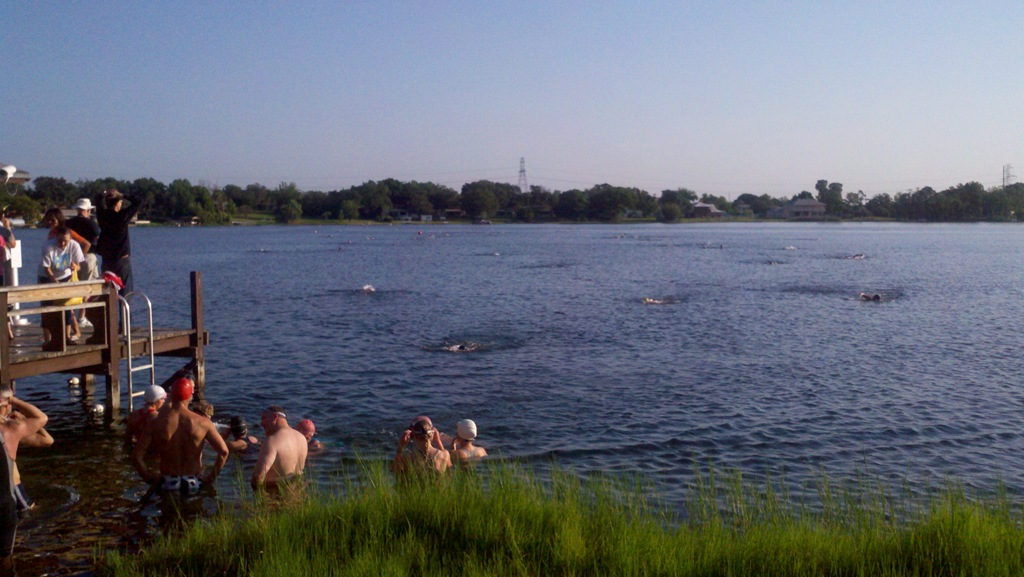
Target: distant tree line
[(390, 199)]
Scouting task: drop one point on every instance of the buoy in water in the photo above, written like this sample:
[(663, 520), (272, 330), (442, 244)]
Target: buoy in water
[(98, 408), (73, 381)]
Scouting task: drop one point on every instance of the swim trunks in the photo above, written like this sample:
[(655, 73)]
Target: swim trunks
[(184, 484)]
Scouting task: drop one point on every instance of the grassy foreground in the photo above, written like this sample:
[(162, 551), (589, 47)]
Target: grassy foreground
[(504, 521)]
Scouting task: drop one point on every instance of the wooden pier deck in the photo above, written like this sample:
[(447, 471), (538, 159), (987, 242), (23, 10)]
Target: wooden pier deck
[(101, 349)]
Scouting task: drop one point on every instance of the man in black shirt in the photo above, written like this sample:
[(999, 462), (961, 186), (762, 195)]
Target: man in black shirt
[(114, 245)]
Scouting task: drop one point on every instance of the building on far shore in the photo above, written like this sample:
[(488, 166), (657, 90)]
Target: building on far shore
[(805, 208), (704, 210)]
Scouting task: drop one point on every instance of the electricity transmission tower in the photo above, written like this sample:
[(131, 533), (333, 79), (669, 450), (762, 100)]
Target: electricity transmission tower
[(523, 187), (1008, 175)]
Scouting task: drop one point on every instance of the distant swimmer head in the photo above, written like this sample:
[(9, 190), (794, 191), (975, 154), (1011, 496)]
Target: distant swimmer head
[(239, 428), (306, 427), (154, 393), (421, 426), (466, 429), (368, 288), (182, 389)]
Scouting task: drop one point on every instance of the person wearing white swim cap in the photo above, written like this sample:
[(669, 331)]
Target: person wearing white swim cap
[(464, 448), (155, 396)]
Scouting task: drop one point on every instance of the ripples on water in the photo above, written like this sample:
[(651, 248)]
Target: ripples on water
[(768, 369)]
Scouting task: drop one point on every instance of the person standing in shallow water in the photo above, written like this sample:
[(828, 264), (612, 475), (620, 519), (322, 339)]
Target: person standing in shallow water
[(282, 455), (423, 456), (464, 448), (12, 433), (177, 436)]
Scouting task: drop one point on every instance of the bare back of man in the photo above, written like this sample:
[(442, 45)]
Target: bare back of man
[(176, 437), (283, 453)]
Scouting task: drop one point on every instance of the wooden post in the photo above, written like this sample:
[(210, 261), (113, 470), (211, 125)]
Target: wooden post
[(88, 383), (113, 357), (5, 344), (198, 352)]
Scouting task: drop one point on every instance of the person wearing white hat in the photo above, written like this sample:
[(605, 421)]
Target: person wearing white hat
[(86, 227), (464, 448), (155, 396)]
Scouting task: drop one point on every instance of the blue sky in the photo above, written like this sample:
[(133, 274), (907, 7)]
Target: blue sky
[(721, 97)]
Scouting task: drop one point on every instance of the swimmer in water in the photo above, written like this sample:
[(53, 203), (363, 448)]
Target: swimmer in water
[(462, 347), (875, 297), (368, 288), (308, 429)]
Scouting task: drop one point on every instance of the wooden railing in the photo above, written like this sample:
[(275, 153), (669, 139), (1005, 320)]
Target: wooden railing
[(100, 304)]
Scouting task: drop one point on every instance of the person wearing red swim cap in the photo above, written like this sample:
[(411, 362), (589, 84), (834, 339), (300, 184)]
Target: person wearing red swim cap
[(308, 429), (182, 389), (177, 436), (282, 456)]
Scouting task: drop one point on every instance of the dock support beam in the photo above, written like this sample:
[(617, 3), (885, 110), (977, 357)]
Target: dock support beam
[(198, 350), (112, 360)]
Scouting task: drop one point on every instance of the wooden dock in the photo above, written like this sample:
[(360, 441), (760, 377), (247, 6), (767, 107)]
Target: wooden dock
[(101, 349)]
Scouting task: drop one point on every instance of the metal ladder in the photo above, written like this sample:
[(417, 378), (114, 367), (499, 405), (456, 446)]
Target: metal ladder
[(126, 332)]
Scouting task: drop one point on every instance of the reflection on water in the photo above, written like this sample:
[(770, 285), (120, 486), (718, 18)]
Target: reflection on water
[(763, 368)]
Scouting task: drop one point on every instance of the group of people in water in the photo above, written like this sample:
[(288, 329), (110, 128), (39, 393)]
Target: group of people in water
[(168, 439)]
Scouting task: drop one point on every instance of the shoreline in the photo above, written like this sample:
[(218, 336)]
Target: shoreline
[(499, 519)]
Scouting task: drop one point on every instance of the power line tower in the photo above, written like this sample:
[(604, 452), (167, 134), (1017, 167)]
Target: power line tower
[(523, 187), (1008, 175)]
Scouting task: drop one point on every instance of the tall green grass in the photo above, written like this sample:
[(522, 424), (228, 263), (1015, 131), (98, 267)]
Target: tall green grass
[(504, 521)]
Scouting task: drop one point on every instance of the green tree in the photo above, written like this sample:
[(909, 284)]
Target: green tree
[(670, 212), (53, 191), (289, 211), (680, 196), (571, 205), (20, 205), (831, 195), (608, 203), (349, 209), (479, 199), (879, 205)]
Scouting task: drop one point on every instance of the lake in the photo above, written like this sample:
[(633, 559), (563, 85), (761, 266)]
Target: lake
[(761, 357)]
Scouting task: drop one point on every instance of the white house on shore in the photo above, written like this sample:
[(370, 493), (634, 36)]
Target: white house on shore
[(806, 208)]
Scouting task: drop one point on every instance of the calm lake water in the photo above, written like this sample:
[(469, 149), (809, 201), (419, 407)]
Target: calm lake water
[(762, 359)]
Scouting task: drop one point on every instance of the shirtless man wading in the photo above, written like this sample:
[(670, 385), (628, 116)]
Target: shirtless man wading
[(282, 455), (12, 433), (176, 436)]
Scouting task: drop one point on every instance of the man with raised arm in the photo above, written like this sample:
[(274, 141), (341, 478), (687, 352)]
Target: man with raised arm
[(177, 436), (114, 245), (12, 433), (282, 455)]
